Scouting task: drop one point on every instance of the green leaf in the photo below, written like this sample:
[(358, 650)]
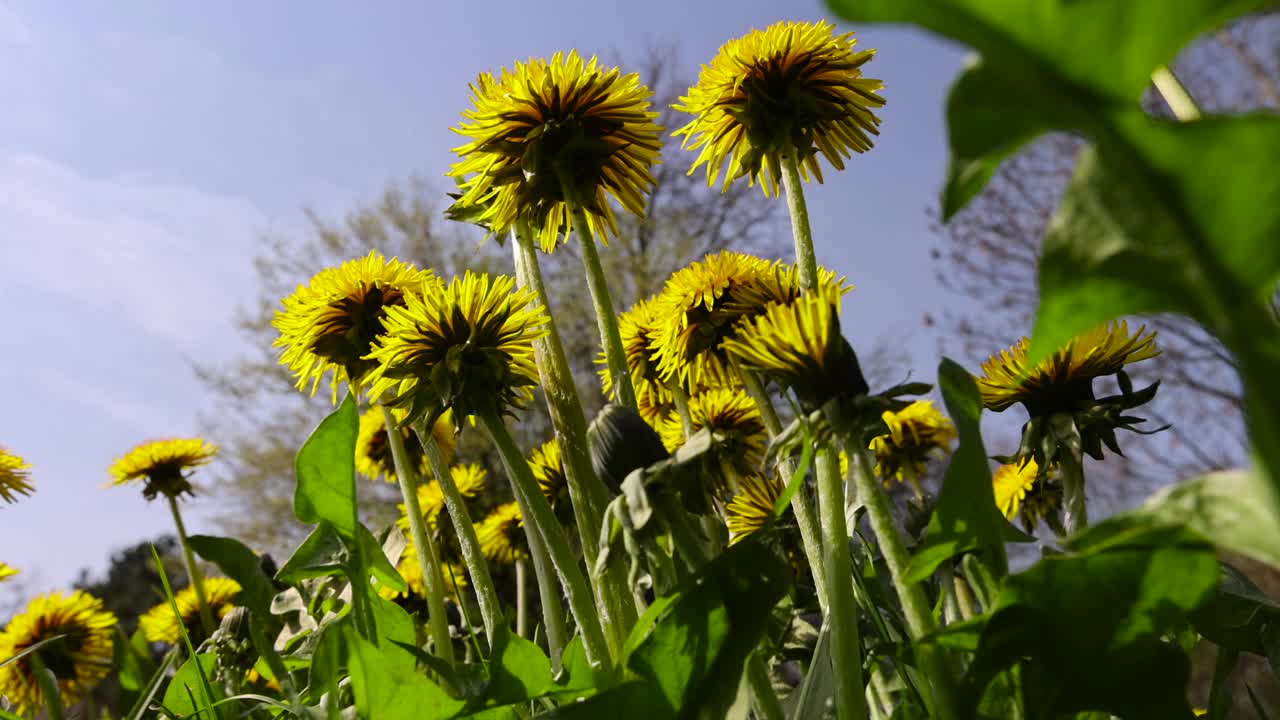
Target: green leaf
[(1237, 615), (319, 555), (132, 660), (966, 518), (186, 694), (635, 700), (379, 565), (326, 470), (518, 669), (386, 690), (576, 680), (811, 699), (240, 564)]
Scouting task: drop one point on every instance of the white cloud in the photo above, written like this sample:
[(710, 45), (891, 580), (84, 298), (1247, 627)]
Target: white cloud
[(170, 259), (13, 30)]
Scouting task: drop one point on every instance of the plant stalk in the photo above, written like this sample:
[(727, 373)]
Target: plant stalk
[(539, 518), (1175, 94), (423, 544), (544, 573), (587, 493), (48, 687), (193, 570), (1075, 515), (522, 600), (472, 556), (842, 612), (801, 233)]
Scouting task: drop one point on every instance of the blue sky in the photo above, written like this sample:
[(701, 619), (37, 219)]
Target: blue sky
[(144, 146)]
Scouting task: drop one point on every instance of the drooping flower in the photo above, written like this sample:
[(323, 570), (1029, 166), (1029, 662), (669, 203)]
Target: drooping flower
[(916, 433), (162, 465), (160, 625), (467, 347), (543, 123), (734, 419), (1021, 486), (79, 660), (751, 506), (330, 323), (1062, 382), (469, 480), (14, 476), (790, 88), (548, 469), (373, 452), (501, 535), (639, 327), (799, 345), (455, 577), (7, 571)]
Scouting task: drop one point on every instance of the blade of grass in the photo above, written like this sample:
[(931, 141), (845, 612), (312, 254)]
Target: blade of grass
[(32, 649), (48, 688), (153, 686), (207, 698)]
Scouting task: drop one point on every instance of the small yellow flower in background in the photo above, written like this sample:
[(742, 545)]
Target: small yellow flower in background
[(916, 433), (751, 507), (159, 624), (470, 482), (373, 452), (639, 327), (792, 87), (568, 115), (501, 535), (548, 469), (79, 660), (162, 465), (732, 415), (7, 571), (330, 323), (1062, 380), (467, 346), (455, 577), (14, 476), (1020, 486), (697, 314)]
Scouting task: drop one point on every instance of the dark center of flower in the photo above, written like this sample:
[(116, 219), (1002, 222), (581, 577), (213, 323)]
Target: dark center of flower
[(380, 450), (1059, 396), (357, 324), (166, 478), (60, 655)]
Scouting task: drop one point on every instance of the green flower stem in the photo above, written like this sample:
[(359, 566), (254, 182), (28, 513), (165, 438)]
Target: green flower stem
[(806, 260), (541, 520), (806, 516), (587, 494), (1175, 94), (423, 544), (842, 613), (914, 605), (48, 687), (598, 285), (544, 573), (522, 600), (472, 556), (1075, 513), (193, 570)]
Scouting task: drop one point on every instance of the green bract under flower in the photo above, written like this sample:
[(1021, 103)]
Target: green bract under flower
[(467, 347)]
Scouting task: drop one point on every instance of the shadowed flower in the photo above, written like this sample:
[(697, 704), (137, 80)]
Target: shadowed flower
[(548, 469), (14, 478), (162, 464), (790, 88), (735, 419), (79, 660), (330, 323), (7, 571), (467, 347), (373, 452), (470, 482), (917, 432), (159, 624), (800, 346), (1020, 486), (639, 327), (1062, 382), (751, 507), (501, 535), (544, 123), (455, 577)]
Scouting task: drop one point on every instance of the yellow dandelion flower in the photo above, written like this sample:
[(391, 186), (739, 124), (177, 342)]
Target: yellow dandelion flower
[(14, 476), (330, 323), (799, 345), (162, 465), (698, 314), (467, 346), (78, 661), (1020, 486), (639, 327), (545, 122), (501, 535), (160, 625), (790, 88), (455, 577), (751, 507), (548, 469), (1062, 380), (735, 418), (373, 452), (916, 433), (779, 282), (7, 571), (469, 480)]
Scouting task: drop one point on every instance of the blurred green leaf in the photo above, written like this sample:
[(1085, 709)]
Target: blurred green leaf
[(132, 660), (186, 694), (818, 687), (1238, 614), (966, 518), (633, 700), (326, 470), (240, 564), (386, 690)]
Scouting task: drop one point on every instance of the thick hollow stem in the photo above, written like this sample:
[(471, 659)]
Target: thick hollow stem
[(1075, 513), (193, 570), (587, 493), (423, 544), (806, 260), (914, 604), (539, 517), (544, 572), (522, 600), (806, 516), (477, 566), (842, 611)]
